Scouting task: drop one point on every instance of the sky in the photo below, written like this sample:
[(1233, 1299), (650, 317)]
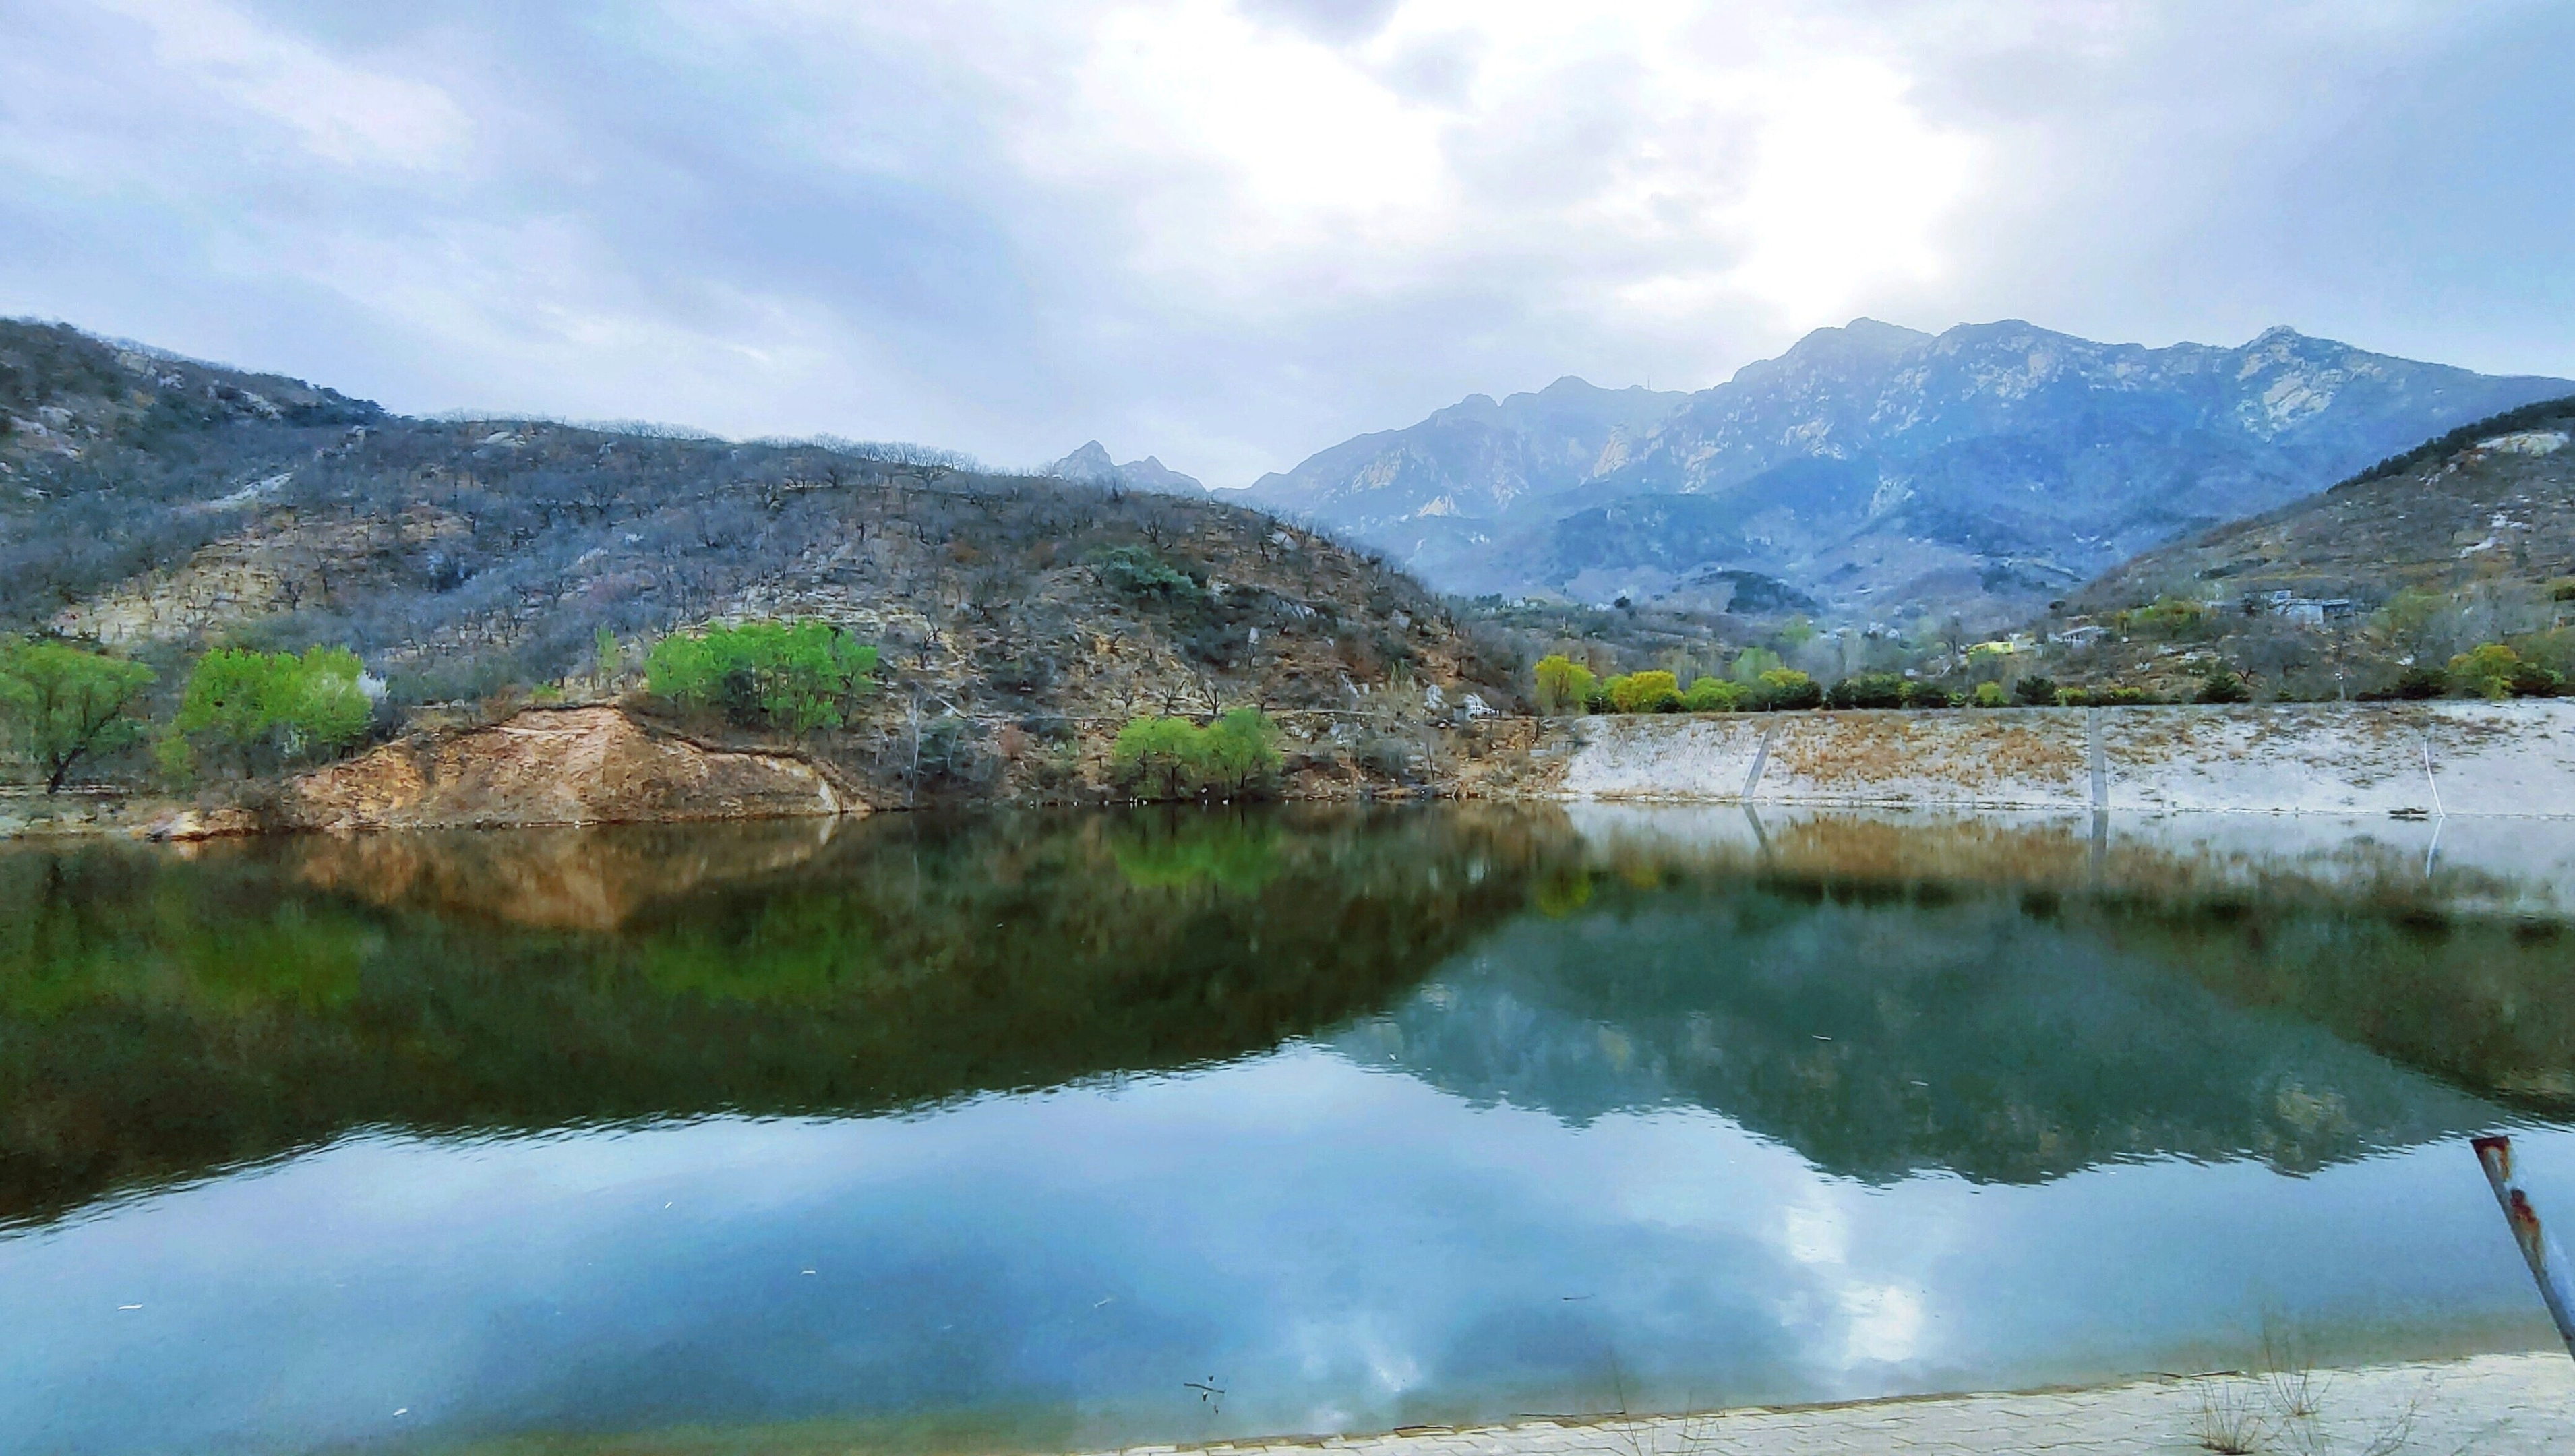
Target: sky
[(1230, 233)]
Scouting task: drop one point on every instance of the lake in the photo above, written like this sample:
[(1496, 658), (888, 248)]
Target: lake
[(1062, 1130)]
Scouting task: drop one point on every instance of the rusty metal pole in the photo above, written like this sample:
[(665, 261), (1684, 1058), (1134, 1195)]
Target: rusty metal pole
[(2547, 1262)]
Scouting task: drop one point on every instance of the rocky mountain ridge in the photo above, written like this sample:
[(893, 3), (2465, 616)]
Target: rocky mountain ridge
[(1091, 463), (1882, 469)]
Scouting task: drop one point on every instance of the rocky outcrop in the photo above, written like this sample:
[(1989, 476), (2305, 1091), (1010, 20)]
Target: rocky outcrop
[(581, 765)]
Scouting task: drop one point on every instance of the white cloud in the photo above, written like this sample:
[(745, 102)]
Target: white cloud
[(1230, 232), (342, 113)]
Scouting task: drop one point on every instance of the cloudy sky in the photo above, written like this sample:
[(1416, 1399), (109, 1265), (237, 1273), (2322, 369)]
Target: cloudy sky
[(1232, 232)]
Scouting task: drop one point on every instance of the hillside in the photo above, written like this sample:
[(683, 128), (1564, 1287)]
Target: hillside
[(163, 506), (1887, 472), (2465, 541), (2497, 507)]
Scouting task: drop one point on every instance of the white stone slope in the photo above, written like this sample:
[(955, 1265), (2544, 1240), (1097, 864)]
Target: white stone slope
[(2432, 759)]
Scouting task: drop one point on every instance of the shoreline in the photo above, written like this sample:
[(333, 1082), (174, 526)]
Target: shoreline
[(2490, 1405), (594, 764)]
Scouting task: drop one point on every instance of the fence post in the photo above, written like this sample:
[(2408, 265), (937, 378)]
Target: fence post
[(2547, 1262)]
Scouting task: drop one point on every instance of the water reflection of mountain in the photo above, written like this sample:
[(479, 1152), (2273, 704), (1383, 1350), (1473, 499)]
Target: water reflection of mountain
[(161, 1018), (1885, 1033)]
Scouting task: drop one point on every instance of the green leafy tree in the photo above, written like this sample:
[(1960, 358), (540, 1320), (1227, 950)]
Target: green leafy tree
[(1715, 695), (1786, 689), (1563, 685), (603, 656), (792, 675), (2485, 671), (1239, 750), (1751, 663), (1155, 747), (63, 705), (257, 703), (1648, 691), (2495, 669)]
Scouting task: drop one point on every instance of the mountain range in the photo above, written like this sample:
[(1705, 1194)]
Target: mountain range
[(1881, 470)]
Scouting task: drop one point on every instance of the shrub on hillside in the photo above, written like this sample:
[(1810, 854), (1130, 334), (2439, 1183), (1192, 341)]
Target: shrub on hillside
[(2222, 686), (795, 677), (1137, 570)]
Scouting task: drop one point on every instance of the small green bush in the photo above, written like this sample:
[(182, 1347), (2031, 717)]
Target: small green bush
[(1136, 571), (795, 676), (1991, 694), (2222, 686), (2035, 692), (1928, 695)]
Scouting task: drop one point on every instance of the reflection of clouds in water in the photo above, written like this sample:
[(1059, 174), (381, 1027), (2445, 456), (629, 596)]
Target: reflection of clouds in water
[(1814, 1232), (1886, 1323), (1344, 1247), (1366, 1340)]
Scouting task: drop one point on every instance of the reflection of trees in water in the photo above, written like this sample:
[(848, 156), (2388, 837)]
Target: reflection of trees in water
[(161, 1018), (1884, 1030), (1981, 1008)]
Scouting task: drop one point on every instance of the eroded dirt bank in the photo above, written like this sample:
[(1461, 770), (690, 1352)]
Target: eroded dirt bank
[(540, 768), (2429, 758)]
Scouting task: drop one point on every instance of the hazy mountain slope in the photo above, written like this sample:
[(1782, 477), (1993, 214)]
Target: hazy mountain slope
[(1884, 470), (1474, 460), (2499, 508)]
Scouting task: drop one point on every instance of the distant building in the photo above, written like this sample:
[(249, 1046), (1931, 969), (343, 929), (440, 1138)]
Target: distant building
[(2305, 611), (2082, 637)]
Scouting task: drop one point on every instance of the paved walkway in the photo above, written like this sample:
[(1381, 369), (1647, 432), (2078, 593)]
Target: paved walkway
[(2501, 1404)]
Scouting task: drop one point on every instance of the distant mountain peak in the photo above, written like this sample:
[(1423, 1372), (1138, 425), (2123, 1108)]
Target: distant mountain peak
[(1093, 462)]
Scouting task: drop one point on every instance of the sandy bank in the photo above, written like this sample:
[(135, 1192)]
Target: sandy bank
[(2492, 1405), (2430, 759)]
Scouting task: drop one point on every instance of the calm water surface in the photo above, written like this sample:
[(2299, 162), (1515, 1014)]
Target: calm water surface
[(1078, 1129)]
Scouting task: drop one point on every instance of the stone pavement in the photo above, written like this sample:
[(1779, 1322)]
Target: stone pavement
[(2503, 1404)]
